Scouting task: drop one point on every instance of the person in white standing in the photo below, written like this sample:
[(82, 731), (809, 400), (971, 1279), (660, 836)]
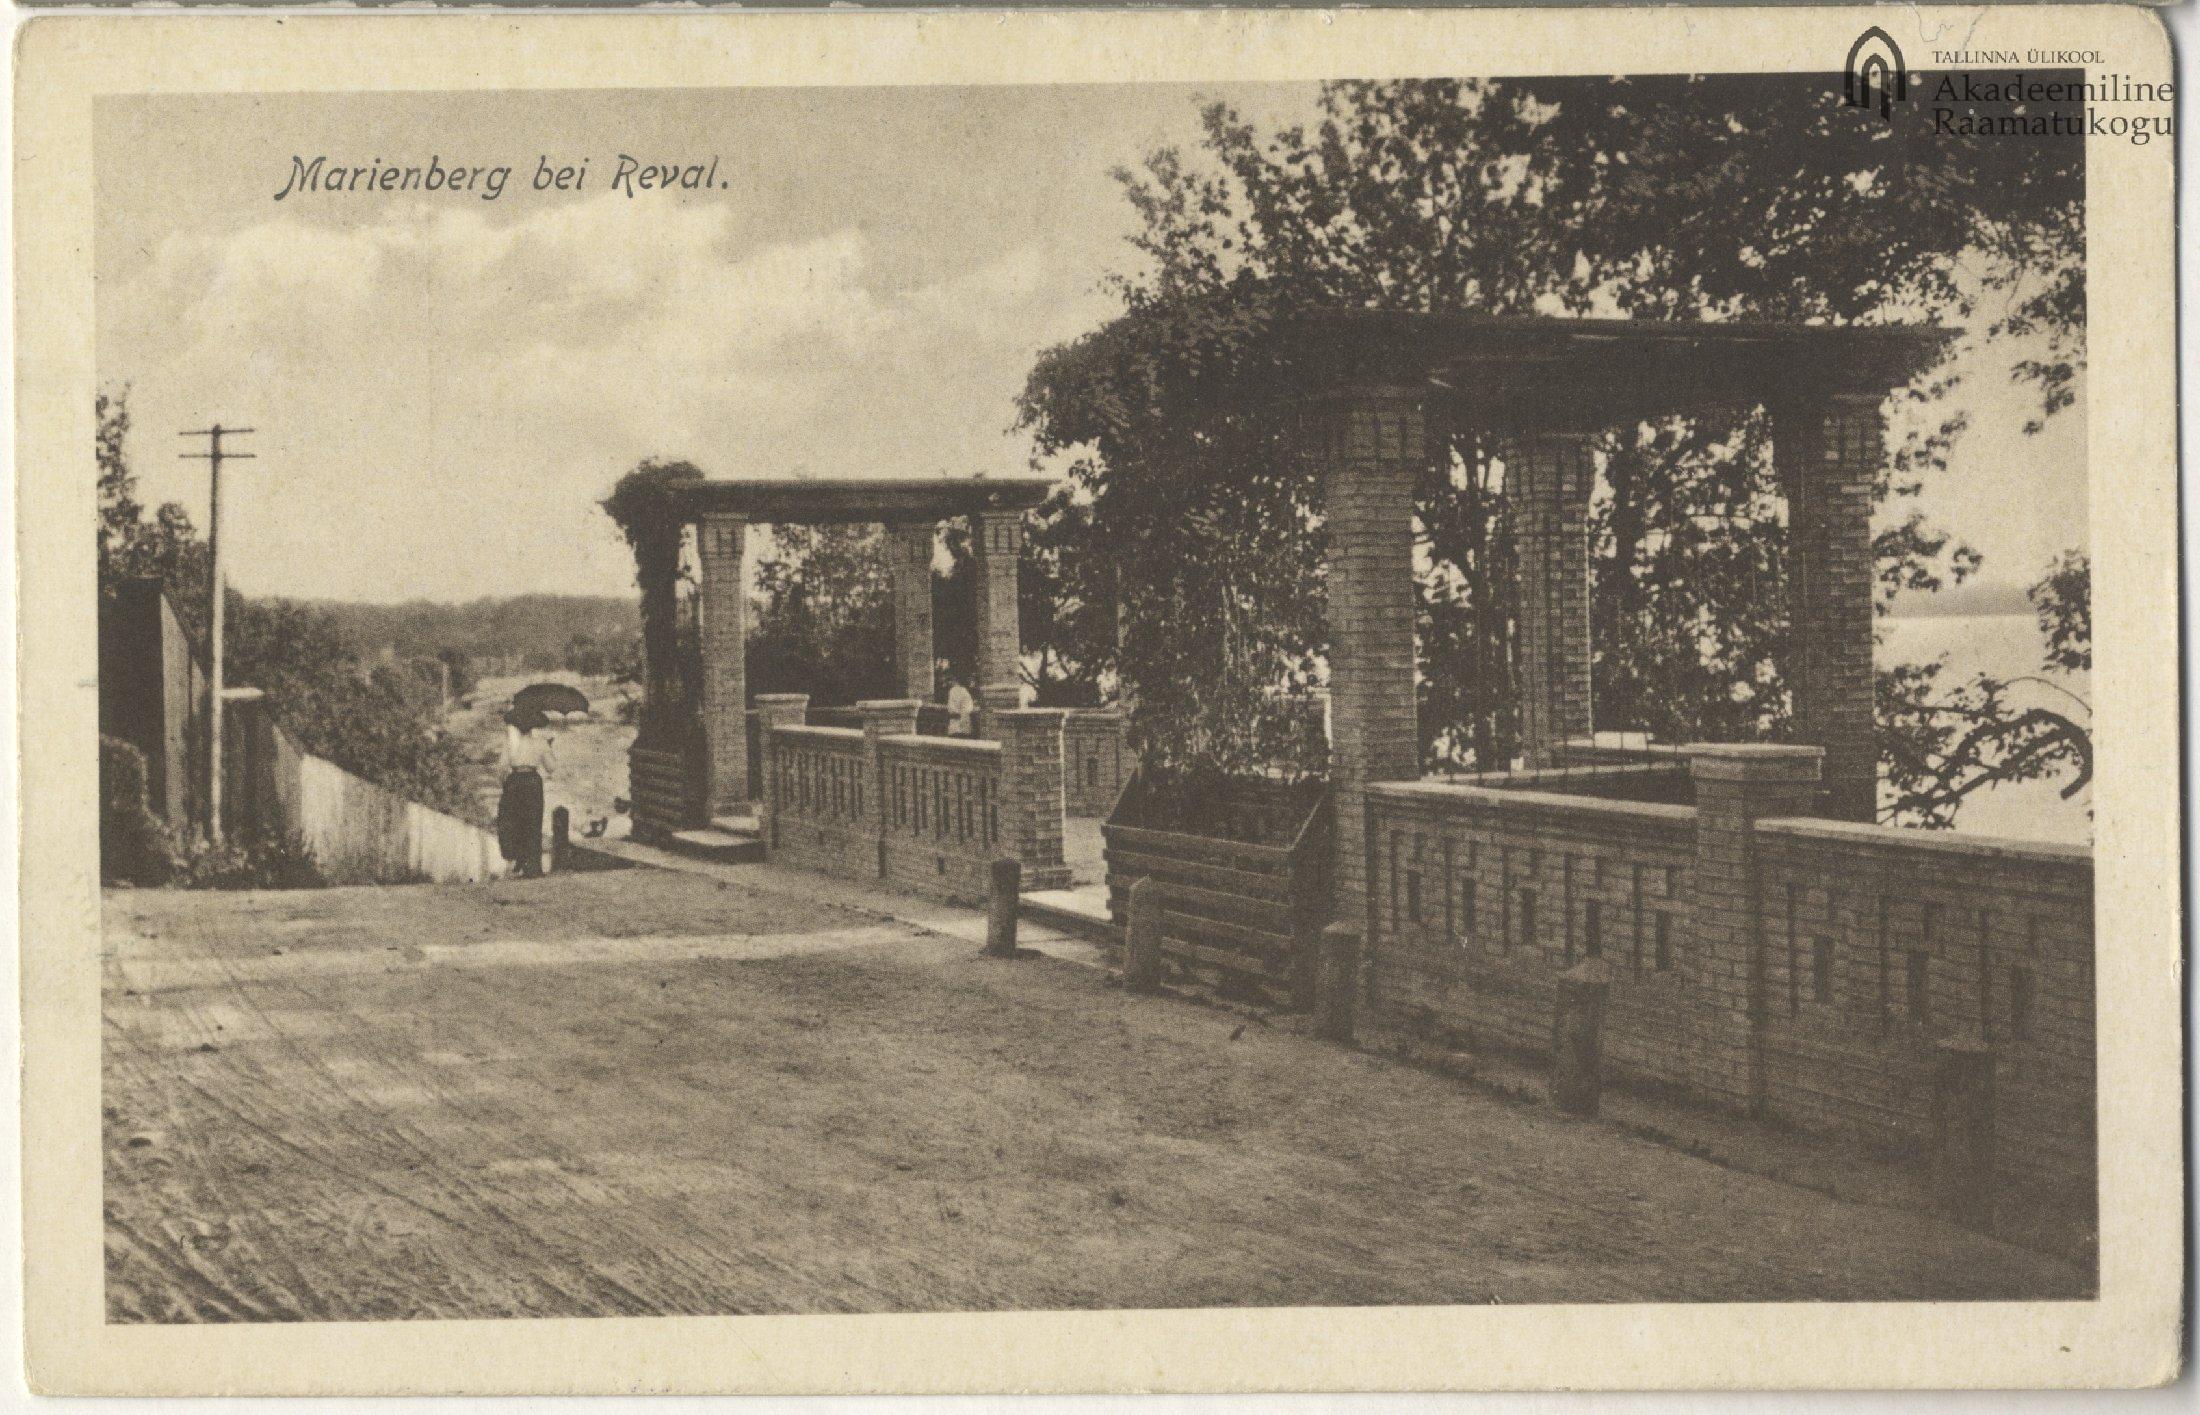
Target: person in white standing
[(528, 761)]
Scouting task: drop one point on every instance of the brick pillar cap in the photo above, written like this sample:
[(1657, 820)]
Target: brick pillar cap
[(782, 699), (1031, 714), (1754, 761), (883, 705)]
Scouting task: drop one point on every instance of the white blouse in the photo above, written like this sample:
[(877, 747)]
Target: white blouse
[(528, 749)]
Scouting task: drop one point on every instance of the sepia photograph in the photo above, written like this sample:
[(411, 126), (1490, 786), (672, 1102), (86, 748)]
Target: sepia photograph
[(1427, 687)]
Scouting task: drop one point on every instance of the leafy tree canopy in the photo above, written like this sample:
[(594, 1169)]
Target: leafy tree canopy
[(1672, 197)]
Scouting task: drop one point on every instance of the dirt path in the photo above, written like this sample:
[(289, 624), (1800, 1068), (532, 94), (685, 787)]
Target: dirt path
[(643, 1092), (591, 752)]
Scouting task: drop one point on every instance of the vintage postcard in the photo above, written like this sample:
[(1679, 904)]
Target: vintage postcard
[(1099, 702)]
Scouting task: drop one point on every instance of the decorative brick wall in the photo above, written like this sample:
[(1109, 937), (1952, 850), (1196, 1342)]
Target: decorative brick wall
[(1485, 896), (923, 814), (942, 826), (721, 544), (1759, 959), (820, 815), (1879, 943), (1369, 447), (1550, 476), (1828, 456), (1095, 761)]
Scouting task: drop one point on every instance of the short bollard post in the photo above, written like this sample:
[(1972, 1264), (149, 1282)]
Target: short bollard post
[(1577, 1039), (1142, 938), (561, 837), (1006, 880), (1337, 981), (1963, 1132)]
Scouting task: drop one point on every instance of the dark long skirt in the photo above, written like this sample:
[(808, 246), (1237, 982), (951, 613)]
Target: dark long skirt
[(519, 819)]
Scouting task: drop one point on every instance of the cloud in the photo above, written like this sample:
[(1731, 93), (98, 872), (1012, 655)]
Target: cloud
[(420, 375)]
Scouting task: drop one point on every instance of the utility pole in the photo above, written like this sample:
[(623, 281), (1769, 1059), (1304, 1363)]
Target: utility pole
[(214, 455)]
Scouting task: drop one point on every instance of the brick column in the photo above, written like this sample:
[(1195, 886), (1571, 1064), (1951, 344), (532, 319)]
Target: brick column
[(1736, 786), (909, 555), (1828, 456), (1550, 476), (882, 718), (996, 542), (775, 710), (721, 543), (1031, 793), (1369, 445)]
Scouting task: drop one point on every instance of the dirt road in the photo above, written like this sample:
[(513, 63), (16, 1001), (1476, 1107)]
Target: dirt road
[(643, 1092)]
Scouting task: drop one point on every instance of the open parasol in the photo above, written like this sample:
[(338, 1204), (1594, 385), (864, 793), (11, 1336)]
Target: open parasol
[(554, 700)]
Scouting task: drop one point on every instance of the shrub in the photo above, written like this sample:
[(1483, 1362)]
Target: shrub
[(134, 847), (247, 864)]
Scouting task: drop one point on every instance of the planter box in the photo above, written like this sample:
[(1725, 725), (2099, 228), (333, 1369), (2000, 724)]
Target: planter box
[(1244, 899), (668, 790)]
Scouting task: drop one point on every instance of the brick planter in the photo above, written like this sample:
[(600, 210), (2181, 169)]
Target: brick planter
[(1242, 904), (669, 789)]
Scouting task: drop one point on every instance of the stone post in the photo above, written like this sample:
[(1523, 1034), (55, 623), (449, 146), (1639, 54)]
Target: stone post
[(1142, 937), (1004, 888), (909, 556), (1551, 475), (775, 710), (883, 718), (1577, 1037), (1030, 800), (996, 543), (1828, 455), (1736, 786), (1369, 446), (721, 543), (1337, 981)]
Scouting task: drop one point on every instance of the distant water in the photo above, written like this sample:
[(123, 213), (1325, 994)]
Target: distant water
[(2006, 646)]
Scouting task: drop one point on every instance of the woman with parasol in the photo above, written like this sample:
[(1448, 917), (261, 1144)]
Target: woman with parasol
[(528, 761)]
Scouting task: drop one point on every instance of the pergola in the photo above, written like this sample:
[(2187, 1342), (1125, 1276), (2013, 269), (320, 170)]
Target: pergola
[(1374, 383), (910, 510)]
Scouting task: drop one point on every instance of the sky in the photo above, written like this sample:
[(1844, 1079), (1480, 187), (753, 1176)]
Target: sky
[(443, 387)]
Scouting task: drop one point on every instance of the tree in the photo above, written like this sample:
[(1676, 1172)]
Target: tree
[(1065, 605), (380, 723), (380, 726), (825, 623), (1945, 744), (164, 546), (1703, 197)]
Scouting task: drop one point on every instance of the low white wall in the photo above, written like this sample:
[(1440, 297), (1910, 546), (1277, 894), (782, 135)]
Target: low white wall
[(359, 833), (362, 834)]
